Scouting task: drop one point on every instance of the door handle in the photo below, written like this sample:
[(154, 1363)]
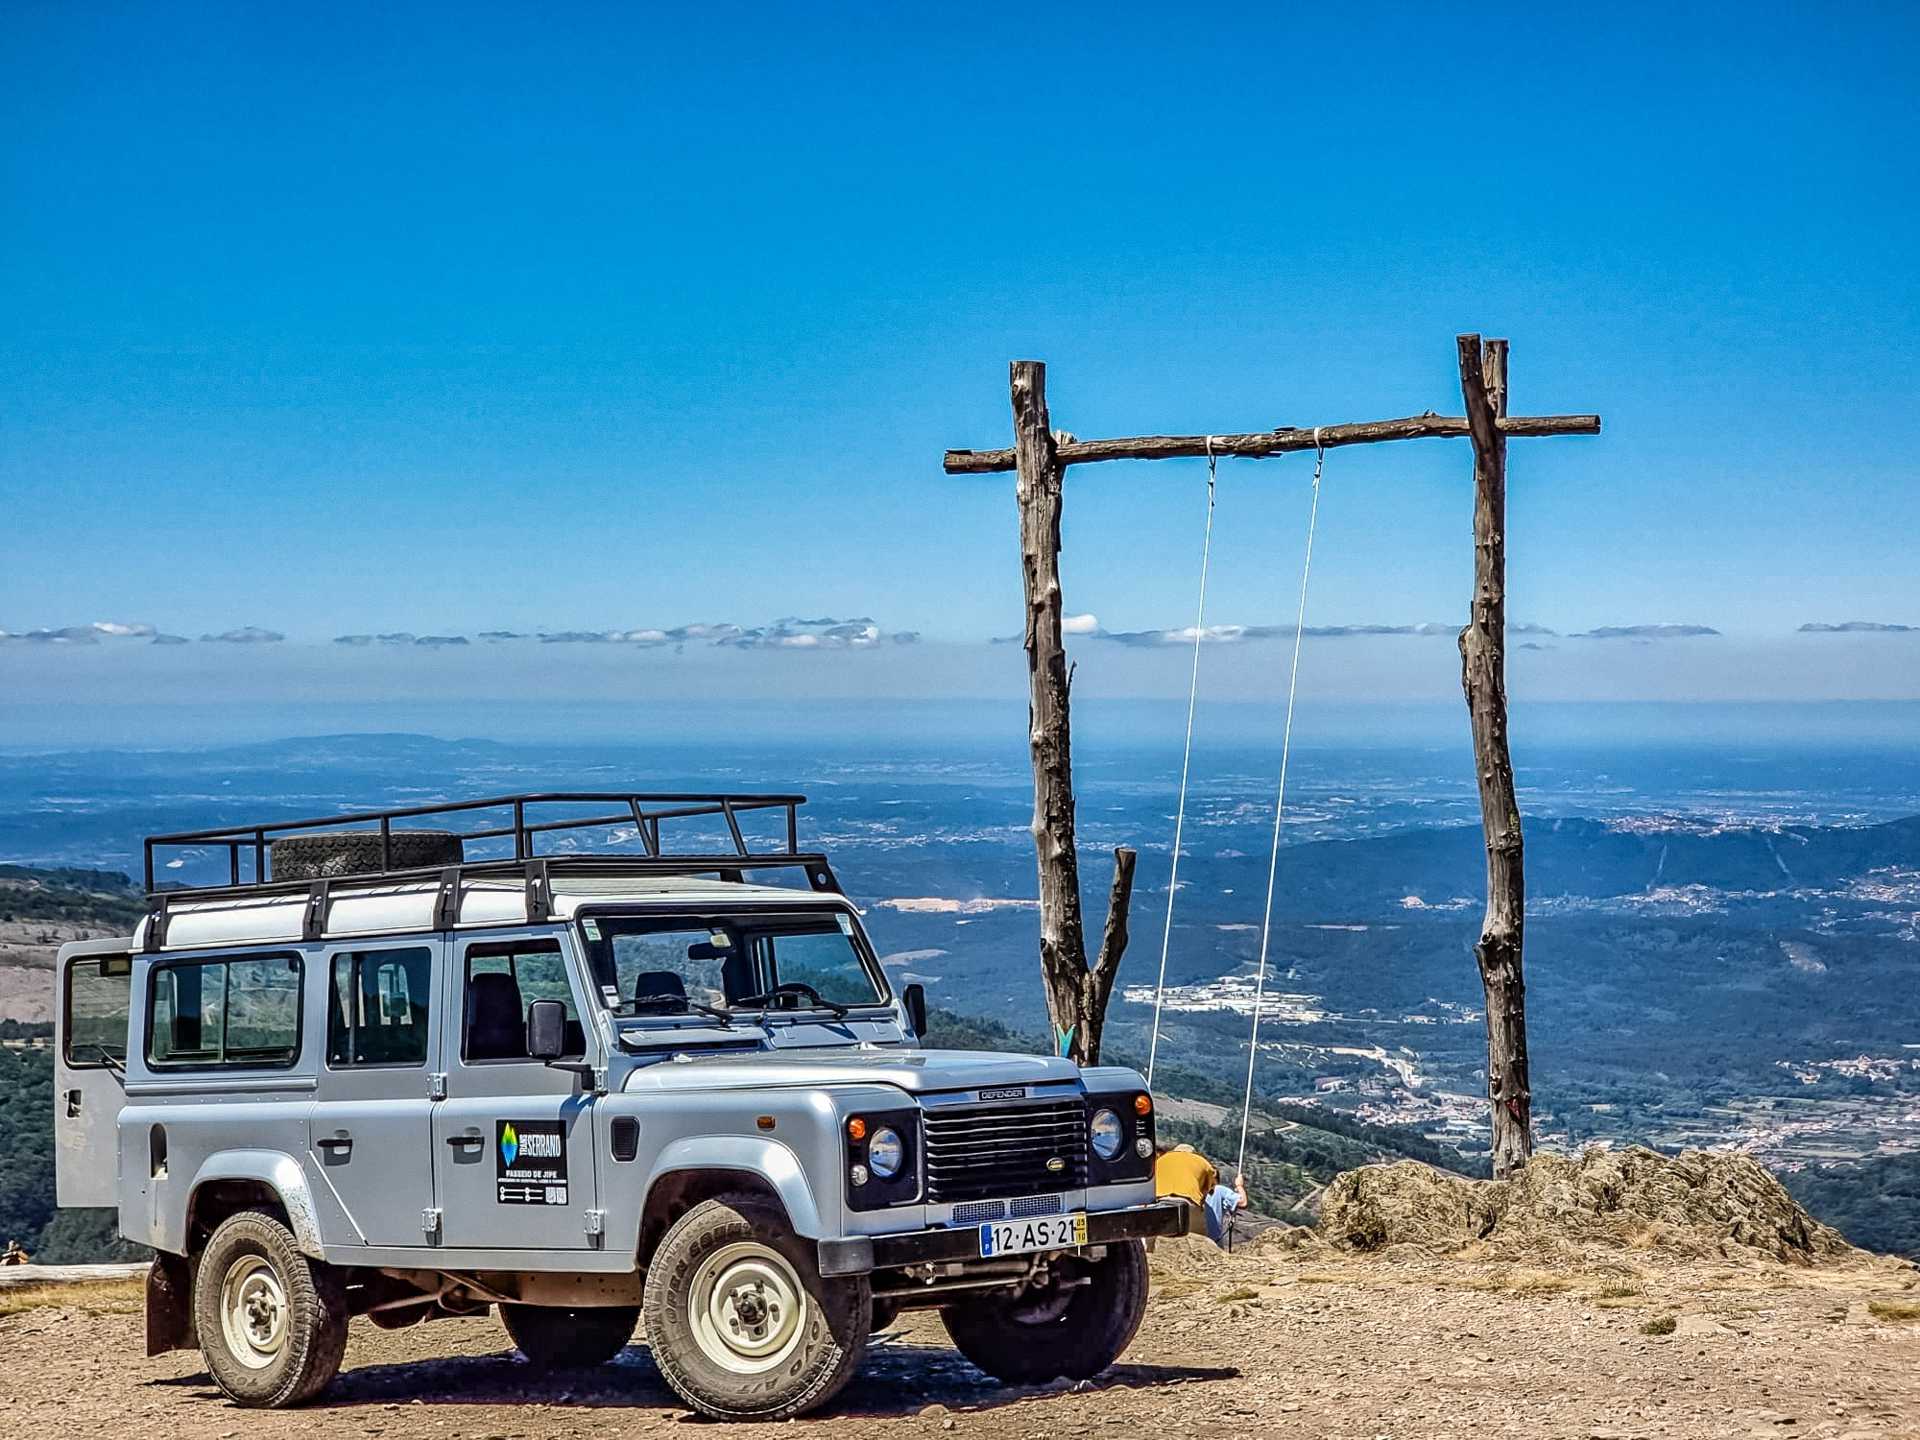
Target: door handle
[(73, 1103), (331, 1143), (472, 1137)]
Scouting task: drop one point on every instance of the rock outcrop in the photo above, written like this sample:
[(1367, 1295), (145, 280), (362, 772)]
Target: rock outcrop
[(1698, 1203)]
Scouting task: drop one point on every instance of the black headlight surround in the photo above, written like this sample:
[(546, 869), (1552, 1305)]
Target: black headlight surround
[(1128, 1166), (879, 1194)]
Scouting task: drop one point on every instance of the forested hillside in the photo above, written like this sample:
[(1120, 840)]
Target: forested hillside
[(97, 899), (41, 909), (27, 1212), (1875, 1204), (1292, 1150)]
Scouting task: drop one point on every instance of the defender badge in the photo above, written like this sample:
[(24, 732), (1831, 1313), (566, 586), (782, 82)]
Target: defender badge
[(1056, 1165)]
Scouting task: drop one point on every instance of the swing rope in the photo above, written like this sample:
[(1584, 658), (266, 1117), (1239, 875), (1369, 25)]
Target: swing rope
[(1280, 801), (1186, 756)]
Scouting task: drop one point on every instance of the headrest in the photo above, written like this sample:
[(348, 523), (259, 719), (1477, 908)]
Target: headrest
[(659, 985)]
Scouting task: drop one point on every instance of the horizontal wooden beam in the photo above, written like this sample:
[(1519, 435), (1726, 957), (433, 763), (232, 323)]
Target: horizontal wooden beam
[(1263, 443)]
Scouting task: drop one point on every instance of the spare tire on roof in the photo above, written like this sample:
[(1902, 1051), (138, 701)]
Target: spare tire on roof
[(357, 852)]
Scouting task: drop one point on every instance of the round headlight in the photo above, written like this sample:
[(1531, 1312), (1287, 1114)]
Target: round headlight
[(1109, 1135), (885, 1153)]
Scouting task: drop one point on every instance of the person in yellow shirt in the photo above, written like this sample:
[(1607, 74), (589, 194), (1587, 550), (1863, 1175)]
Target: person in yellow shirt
[(1184, 1173)]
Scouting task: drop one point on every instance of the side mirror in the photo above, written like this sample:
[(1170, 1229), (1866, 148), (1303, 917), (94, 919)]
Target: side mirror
[(915, 999), (546, 1030)]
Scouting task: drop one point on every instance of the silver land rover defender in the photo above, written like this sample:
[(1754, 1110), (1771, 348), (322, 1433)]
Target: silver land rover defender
[(544, 1052)]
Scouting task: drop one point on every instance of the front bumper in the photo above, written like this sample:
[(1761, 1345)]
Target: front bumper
[(861, 1254)]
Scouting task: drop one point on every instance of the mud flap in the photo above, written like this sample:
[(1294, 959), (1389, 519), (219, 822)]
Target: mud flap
[(170, 1305)]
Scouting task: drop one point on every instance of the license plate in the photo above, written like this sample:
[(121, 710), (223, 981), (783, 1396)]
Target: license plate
[(1043, 1232)]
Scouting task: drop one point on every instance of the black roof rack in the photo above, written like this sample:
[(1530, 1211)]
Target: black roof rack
[(648, 818)]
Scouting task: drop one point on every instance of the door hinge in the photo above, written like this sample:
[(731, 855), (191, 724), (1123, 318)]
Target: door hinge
[(436, 1087), (596, 1222), (599, 1079), (430, 1223)]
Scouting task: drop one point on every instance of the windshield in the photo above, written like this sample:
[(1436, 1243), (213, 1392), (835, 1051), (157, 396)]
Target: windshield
[(678, 965)]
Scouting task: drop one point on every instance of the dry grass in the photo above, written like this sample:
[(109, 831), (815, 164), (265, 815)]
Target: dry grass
[(1320, 1277), (1238, 1293), (1515, 1281), (96, 1297), (1618, 1297), (1177, 1287), (1660, 1325), (1894, 1309)]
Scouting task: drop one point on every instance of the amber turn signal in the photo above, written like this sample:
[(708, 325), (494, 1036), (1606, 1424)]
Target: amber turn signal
[(857, 1128), (1143, 1104)]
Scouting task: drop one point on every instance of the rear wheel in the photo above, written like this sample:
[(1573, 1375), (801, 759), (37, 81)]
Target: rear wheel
[(555, 1337), (272, 1323), (1075, 1324), (741, 1321)]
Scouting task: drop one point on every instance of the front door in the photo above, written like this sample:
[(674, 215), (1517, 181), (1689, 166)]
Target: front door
[(89, 1063), (370, 1138), (513, 1140)]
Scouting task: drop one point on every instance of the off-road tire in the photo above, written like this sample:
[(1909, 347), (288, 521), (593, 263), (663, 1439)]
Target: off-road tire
[(833, 1324), (555, 1337), (357, 852), (315, 1320), (1077, 1340)]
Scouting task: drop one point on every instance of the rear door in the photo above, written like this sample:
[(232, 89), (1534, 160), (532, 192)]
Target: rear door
[(370, 1138), (513, 1141), (89, 1064)]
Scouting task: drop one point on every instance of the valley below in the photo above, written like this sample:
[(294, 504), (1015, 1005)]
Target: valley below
[(1723, 950)]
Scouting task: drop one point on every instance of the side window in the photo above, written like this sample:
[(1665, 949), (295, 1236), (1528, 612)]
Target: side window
[(502, 981), (378, 1007), (99, 994), (225, 1012)]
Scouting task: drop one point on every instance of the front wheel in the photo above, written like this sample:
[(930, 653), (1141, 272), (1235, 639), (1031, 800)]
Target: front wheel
[(272, 1323), (555, 1337), (1074, 1324), (740, 1320)]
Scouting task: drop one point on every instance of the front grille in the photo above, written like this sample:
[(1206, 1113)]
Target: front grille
[(1005, 1150), (1033, 1205), (973, 1212)]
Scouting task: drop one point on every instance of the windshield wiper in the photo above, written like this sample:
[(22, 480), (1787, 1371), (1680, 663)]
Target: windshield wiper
[(793, 987), (678, 1005)]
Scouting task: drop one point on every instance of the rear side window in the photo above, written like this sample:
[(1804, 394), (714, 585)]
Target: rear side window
[(242, 1011), (99, 992), (378, 1007)]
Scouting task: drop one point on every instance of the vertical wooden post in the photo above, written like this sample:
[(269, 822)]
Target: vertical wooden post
[(1483, 676), (1076, 994)]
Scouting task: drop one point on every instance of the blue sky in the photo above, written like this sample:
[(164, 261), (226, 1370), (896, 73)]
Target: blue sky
[(438, 321)]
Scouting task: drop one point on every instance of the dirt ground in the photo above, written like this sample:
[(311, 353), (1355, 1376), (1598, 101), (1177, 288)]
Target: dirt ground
[(1269, 1344)]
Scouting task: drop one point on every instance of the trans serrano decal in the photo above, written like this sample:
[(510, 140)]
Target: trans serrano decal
[(530, 1162)]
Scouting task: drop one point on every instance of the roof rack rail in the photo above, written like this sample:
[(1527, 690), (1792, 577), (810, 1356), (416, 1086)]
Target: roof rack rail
[(647, 817)]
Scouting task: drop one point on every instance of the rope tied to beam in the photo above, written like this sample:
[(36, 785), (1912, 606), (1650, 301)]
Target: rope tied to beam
[(1186, 757), (1280, 799)]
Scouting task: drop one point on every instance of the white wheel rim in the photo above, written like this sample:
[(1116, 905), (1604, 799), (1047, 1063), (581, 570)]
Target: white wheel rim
[(747, 1308), (253, 1312)]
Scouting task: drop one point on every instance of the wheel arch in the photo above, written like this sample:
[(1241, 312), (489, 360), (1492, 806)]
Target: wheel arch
[(701, 1168), (235, 1180)]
